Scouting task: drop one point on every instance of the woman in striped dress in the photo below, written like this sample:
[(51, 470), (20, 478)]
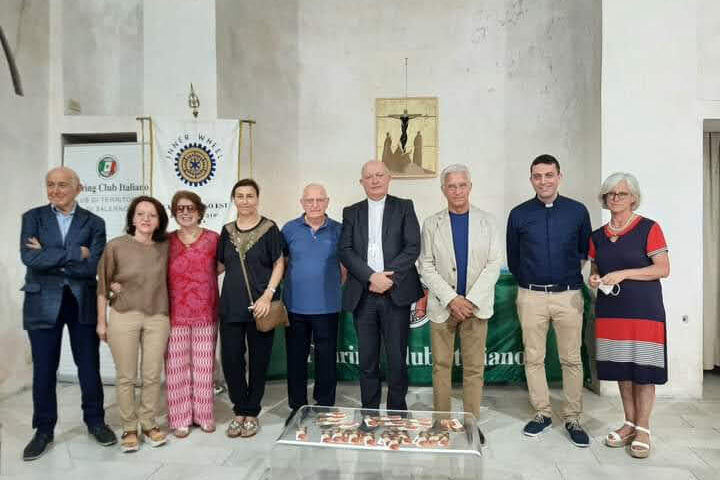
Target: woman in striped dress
[(193, 291), (629, 256)]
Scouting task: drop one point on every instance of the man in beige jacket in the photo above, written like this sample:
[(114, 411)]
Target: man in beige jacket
[(460, 261)]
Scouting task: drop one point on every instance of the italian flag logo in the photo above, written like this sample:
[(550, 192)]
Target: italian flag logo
[(107, 166)]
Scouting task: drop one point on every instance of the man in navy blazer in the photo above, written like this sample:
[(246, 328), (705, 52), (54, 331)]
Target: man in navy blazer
[(60, 244), (379, 244)]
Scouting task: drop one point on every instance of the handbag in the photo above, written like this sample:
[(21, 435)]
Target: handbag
[(276, 317)]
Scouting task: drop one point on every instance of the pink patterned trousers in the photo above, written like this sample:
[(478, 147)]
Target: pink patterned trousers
[(189, 369)]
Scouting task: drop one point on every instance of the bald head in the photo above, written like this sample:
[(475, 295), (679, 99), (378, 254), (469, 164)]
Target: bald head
[(374, 165), (63, 185), (65, 171), (315, 202), (314, 189), (375, 179)]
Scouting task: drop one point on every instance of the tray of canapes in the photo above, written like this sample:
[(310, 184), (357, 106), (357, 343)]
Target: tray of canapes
[(340, 427)]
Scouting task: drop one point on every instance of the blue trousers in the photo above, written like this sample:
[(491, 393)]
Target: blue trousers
[(46, 345), (323, 330)]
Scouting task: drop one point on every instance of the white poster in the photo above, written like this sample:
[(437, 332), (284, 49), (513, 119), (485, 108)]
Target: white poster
[(200, 156), (112, 175)]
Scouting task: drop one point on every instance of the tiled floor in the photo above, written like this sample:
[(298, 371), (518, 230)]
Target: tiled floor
[(686, 441)]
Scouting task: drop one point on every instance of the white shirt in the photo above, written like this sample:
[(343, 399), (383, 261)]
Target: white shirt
[(375, 219)]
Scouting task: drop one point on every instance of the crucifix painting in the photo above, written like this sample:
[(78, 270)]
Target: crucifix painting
[(406, 135)]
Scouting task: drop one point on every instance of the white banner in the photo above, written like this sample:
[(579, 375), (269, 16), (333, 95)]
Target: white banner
[(111, 175), (198, 156)]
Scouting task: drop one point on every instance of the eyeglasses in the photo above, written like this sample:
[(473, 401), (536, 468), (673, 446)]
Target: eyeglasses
[(185, 208), (617, 195), (314, 201)]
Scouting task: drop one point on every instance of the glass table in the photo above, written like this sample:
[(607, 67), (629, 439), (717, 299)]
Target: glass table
[(353, 443)]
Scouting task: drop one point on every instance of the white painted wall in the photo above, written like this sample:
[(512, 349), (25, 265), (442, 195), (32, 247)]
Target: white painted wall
[(23, 143), (552, 97), (102, 56), (708, 27), (514, 79), (708, 16), (179, 48), (119, 60), (258, 68), (651, 127)]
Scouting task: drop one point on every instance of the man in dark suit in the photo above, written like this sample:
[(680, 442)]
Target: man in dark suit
[(379, 244), (60, 244)]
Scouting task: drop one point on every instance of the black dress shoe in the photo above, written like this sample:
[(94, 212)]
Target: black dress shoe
[(103, 435), (364, 427), (481, 436), (37, 446), (291, 416)]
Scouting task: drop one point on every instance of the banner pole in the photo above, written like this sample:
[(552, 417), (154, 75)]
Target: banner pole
[(252, 150), (152, 154), (240, 146), (143, 144), (251, 143)]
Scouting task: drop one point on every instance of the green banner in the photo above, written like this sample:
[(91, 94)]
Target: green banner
[(504, 347)]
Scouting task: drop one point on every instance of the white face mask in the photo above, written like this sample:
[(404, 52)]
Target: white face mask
[(613, 290)]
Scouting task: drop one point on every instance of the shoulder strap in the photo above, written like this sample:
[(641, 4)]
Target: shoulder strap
[(233, 235)]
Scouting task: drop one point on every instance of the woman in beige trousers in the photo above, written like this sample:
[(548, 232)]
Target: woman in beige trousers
[(132, 277)]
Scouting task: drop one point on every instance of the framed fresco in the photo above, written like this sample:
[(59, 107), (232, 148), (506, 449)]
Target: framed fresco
[(406, 135)]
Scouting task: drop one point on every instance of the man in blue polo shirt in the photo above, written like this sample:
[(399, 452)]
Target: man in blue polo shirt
[(312, 296), (547, 243)]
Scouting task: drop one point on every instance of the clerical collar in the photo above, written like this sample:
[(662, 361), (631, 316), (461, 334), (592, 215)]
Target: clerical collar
[(548, 205)]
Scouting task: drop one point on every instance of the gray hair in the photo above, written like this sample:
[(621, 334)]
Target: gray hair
[(454, 168), (613, 180)]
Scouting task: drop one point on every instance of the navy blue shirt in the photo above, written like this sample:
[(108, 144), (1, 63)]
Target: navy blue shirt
[(312, 282), (459, 226), (545, 244)]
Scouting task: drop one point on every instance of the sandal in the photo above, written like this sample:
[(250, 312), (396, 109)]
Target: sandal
[(235, 428), (154, 437), (250, 427), (640, 449), (614, 439), (207, 428), (181, 432), (129, 441)]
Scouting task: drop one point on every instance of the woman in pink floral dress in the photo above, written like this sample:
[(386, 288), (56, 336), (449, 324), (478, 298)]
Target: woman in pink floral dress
[(193, 289)]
